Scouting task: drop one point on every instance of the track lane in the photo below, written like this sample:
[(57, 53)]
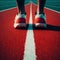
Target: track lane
[(12, 41), (47, 41)]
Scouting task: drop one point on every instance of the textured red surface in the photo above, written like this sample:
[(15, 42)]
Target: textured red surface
[(21, 20), (12, 41), (47, 42)]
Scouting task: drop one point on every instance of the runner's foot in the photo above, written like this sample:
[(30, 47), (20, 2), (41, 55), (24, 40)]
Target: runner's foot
[(40, 20), (20, 21)]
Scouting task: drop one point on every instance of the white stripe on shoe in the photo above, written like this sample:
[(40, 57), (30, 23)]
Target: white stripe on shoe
[(40, 15), (20, 16), (41, 25), (19, 24), (29, 53)]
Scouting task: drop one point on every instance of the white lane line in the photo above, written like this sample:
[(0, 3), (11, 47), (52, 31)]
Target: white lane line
[(29, 53), (52, 10), (48, 8), (34, 4), (11, 8), (8, 9)]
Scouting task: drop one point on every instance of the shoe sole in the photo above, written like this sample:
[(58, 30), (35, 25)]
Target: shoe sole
[(19, 25), (42, 25)]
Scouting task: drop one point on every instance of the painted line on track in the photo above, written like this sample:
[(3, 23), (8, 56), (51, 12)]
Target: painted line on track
[(34, 4), (52, 10), (11, 8), (47, 8), (29, 53)]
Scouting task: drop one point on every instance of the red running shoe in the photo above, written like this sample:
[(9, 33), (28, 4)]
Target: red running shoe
[(20, 21), (40, 20)]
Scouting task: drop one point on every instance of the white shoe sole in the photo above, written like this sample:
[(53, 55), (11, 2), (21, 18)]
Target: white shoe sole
[(17, 25), (41, 25)]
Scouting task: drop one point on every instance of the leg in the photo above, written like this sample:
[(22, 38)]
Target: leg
[(20, 18), (41, 4), (40, 18), (21, 8)]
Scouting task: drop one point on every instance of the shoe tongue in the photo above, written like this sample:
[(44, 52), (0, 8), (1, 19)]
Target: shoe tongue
[(21, 15), (40, 16)]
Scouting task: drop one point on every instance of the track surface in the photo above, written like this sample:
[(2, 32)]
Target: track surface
[(12, 41), (48, 41)]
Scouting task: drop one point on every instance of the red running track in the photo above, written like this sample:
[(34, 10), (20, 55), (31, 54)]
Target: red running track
[(12, 41), (47, 42)]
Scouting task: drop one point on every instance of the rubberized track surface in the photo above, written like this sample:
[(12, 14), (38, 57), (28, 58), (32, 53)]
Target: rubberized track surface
[(12, 41)]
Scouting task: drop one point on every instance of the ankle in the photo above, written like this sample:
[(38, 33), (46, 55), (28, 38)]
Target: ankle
[(22, 12)]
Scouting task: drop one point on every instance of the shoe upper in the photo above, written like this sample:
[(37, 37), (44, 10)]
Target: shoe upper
[(20, 21), (20, 18), (40, 18)]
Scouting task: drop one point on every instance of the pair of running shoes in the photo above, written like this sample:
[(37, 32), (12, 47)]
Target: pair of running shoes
[(20, 20)]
